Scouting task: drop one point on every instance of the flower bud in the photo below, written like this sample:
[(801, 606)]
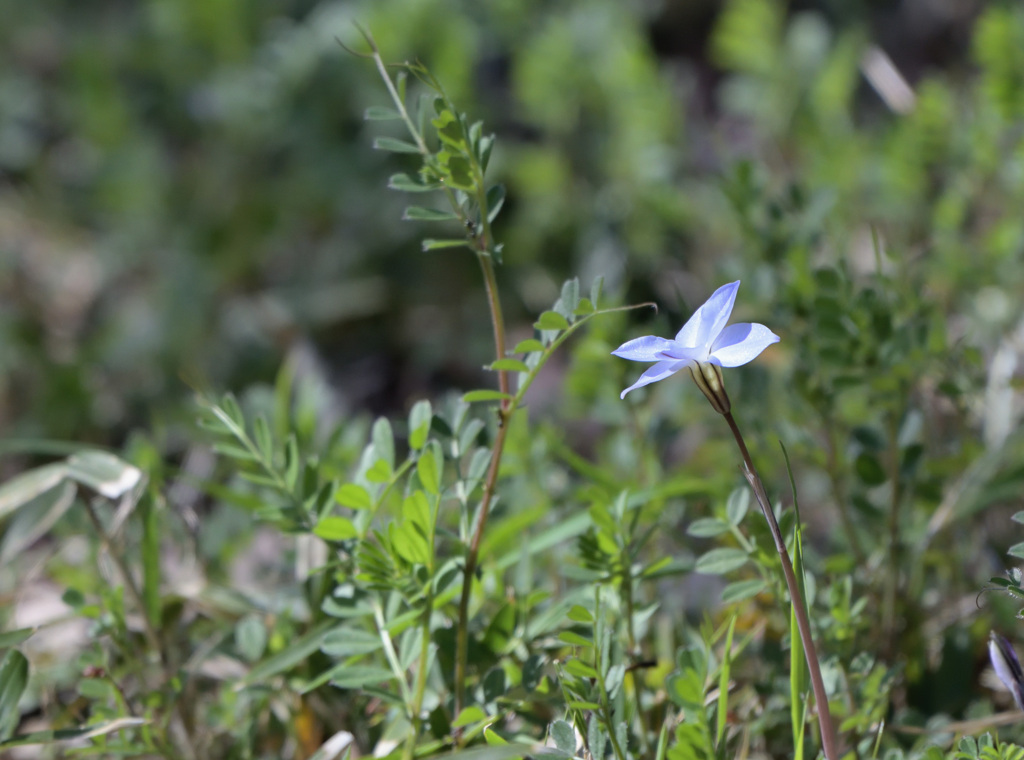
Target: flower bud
[(709, 379)]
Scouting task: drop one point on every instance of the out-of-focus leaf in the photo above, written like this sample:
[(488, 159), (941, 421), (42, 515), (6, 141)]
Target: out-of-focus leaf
[(104, 473), (22, 488)]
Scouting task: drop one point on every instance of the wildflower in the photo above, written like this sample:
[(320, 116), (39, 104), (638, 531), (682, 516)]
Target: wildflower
[(1007, 667), (704, 345)]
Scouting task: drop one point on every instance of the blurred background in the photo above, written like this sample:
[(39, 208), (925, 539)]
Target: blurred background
[(189, 198), (188, 191)]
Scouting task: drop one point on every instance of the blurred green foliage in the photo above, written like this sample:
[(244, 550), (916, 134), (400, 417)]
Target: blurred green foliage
[(188, 197)]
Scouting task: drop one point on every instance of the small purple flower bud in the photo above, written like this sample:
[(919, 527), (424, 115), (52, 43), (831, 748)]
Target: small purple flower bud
[(1007, 666)]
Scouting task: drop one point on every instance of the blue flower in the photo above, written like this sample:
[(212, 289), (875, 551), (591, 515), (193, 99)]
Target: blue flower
[(703, 345)]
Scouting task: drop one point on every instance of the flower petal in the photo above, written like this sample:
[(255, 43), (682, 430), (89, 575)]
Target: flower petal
[(707, 322), (645, 349), (741, 343), (659, 371)]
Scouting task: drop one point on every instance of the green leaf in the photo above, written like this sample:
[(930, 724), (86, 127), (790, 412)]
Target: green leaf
[(335, 529), (419, 424), (495, 200), (395, 146), (1017, 550), (580, 669), (740, 590), (22, 488), (295, 652), (870, 470), (528, 346), (251, 637), (1018, 517), (551, 320), (384, 441), (579, 614), (449, 130), (509, 364), (595, 290), (360, 676), (29, 524), (353, 496), (429, 244), (737, 505), (564, 737), (104, 473), (381, 113), (571, 637), (13, 680), (570, 296), (468, 716), (421, 214), (91, 731), (13, 638), (707, 527), (407, 184), (486, 395), (346, 641), (428, 468), (721, 561)]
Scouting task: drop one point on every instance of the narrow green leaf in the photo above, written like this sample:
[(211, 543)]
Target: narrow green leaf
[(335, 528), (528, 346), (91, 731), (706, 527), (580, 669), (360, 676), (485, 395), (421, 214), (737, 505), (740, 590), (570, 296), (346, 641), (407, 184), (384, 441), (509, 364), (551, 320), (721, 561), (381, 113), (13, 680), (419, 424), (579, 614), (429, 471), (429, 244), (104, 473), (395, 146), (595, 290), (295, 652), (22, 488), (495, 200), (1017, 550), (571, 637), (723, 686)]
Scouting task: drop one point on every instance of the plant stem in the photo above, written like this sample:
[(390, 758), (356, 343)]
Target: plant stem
[(828, 733), (152, 639)]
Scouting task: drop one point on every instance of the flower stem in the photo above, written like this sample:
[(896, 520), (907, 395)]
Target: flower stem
[(828, 733)]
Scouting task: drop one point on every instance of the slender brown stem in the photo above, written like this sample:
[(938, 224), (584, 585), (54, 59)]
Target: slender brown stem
[(828, 733)]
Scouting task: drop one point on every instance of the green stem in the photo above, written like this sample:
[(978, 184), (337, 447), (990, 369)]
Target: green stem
[(421, 674), (828, 733), (152, 640)]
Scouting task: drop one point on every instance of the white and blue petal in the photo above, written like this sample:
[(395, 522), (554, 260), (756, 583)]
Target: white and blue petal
[(659, 371), (707, 322), (645, 349), (740, 343)]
